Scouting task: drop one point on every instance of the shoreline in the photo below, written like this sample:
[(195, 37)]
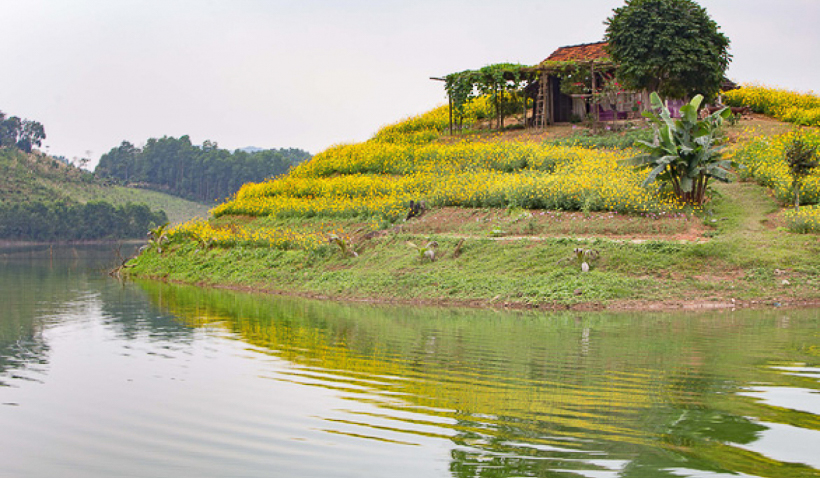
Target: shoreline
[(618, 305), (84, 242)]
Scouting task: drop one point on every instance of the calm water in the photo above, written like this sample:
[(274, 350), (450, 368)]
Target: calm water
[(102, 379)]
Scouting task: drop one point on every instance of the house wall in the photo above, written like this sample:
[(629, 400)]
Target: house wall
[(562, 107)]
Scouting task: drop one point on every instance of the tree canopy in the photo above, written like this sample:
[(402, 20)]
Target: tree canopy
[(201, 173), (671, 47), (20, 133)]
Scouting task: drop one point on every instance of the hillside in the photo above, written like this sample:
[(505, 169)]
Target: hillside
[(509, 219), (28, 178)]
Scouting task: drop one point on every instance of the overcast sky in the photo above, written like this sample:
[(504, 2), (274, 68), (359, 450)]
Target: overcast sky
[(311, 73)]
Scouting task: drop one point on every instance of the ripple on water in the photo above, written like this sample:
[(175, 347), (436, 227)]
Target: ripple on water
[(166, 381)]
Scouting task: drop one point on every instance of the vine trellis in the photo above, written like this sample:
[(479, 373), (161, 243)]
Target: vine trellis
[(498, 81)]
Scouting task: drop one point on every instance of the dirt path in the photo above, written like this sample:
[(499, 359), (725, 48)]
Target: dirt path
[(751, 207)]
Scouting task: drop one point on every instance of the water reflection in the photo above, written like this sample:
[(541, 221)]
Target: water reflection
[(538, 395), (99, 378), (43, 286)]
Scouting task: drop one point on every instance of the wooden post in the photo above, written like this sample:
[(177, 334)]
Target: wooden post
[(549, 114), (594, 89), (450, 102), (497, 109)]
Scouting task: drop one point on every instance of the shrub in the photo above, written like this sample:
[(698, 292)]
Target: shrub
[(806, 220)]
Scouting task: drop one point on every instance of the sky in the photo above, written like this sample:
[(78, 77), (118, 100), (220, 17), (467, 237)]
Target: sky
[(312, 73)]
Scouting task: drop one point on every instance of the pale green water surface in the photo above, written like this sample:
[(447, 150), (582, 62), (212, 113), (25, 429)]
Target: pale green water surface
[(103, 379)]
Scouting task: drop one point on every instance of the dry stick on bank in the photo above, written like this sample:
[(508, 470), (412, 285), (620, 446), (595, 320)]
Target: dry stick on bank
[(123, 261)]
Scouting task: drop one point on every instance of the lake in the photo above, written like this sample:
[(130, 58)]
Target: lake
[(100, 378)]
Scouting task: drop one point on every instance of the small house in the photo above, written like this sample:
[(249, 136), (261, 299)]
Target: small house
[(578, 82)]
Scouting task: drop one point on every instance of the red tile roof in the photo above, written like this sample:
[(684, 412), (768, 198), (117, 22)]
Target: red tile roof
[(585, 52)]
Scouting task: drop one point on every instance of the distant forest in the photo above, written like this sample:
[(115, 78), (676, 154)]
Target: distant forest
[(200, 173), (40, 221)]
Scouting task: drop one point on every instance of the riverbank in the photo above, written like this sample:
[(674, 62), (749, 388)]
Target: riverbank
[(625, 305), (736, 256)]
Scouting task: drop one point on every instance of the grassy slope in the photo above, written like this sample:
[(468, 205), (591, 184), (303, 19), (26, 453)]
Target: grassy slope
[(739, 254), (746, 260), (39, 178)]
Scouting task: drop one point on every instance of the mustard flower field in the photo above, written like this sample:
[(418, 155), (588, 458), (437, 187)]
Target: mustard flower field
[(375, 181), (404, 162), (765, 161), (792, 107), (207, 235)]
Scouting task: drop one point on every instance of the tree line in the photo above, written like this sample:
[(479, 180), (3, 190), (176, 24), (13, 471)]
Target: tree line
[(200, 173), (20, 133), (40, 221)]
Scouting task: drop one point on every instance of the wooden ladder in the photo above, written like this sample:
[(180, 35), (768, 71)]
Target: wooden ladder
[(540, 120)]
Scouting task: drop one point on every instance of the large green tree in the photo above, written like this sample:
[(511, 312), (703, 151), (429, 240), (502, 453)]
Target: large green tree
[(20, 133), (671, 47)]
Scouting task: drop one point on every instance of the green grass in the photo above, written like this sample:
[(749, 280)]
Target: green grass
[(614, 139), (178, 210), (745, 260)]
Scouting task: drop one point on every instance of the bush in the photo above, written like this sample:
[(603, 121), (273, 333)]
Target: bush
[(806, 220)]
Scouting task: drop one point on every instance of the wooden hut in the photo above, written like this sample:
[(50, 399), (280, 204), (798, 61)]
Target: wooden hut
[(554, 104)]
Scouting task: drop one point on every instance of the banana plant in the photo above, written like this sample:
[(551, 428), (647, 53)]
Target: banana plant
[(158, 236), (685, 152), (427, 251), (343, 244)]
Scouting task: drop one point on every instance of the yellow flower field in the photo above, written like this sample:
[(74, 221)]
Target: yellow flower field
[(765, 161), (404, 162), (204, 233), (790, 106), (465, 174)]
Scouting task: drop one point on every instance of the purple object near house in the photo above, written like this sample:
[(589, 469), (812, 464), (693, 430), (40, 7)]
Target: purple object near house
[(611, 115), (674, 107), (605, 115)]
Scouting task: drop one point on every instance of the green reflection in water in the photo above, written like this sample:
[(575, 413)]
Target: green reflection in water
[(535, 394), (40, 285)]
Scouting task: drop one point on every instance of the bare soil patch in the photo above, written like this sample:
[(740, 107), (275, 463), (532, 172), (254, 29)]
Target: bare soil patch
[(534, 224)]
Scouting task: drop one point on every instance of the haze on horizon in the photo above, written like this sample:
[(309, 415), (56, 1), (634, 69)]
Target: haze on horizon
[(311, 73)]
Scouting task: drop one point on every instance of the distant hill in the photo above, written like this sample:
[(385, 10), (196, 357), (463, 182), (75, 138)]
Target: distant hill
[(201, 173), (42, 198)]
